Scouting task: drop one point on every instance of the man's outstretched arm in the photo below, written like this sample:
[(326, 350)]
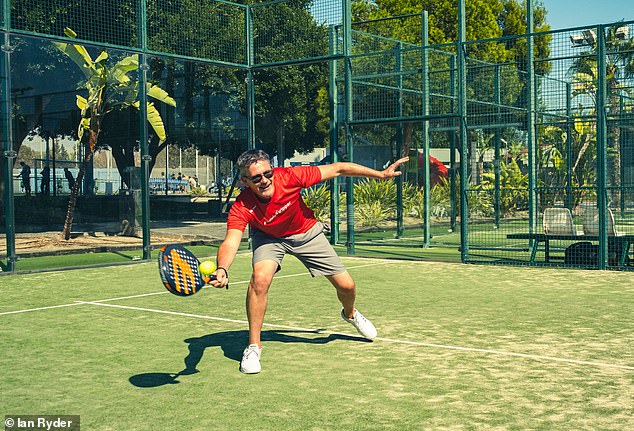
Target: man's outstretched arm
[(226, 253), (348, 169)]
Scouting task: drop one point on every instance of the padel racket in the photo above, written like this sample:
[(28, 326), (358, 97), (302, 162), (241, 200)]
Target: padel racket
[(179, 270)]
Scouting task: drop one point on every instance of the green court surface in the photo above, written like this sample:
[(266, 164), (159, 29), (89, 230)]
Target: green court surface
[(460, 347)]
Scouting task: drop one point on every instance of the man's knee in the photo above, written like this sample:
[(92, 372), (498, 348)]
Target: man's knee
[(261, 281), (343, 281), (348, 285)]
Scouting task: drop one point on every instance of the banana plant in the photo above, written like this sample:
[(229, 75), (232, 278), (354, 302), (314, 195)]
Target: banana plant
[(109, 88)]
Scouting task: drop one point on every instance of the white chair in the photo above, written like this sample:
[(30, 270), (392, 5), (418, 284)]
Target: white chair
[(558, 221), (591, 221)]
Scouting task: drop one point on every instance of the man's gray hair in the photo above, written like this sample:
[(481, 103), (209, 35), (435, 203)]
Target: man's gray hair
[(250, 157)]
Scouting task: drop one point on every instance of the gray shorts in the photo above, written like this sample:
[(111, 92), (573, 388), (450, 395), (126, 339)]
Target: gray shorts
[(311, 248)]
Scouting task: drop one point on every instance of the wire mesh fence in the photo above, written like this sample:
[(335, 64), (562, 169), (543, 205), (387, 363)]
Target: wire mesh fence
[(580, 169), (294, 31)]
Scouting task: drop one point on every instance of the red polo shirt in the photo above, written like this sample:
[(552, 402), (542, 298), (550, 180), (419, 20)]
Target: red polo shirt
[(286, 213)]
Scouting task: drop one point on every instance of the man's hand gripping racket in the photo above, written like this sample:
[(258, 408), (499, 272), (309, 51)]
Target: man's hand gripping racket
[(180, 273)]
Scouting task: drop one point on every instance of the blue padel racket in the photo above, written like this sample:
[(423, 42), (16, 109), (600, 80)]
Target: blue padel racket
[(179, 270)]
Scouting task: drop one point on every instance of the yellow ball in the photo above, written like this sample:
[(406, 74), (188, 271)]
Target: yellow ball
[(207, 268)]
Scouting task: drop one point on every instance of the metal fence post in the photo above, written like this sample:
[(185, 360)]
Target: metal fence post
[(602, 138), (7, 146), (425, 111), (334, 137), (452, 145), (347, 51), (531, 120), (143, 132), (248, 26), (463, 133), (498, 139)]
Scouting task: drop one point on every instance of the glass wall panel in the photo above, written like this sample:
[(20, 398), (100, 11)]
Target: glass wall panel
[(192, 172), (48, 90)]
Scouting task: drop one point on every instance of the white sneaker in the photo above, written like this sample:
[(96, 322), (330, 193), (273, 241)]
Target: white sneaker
[(363, 325), (250, 363)]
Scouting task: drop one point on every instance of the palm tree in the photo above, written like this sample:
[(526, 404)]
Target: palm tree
[(109, 89), (619, 68)]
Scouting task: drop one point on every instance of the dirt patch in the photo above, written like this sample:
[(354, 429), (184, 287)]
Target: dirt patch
[(55, 244)]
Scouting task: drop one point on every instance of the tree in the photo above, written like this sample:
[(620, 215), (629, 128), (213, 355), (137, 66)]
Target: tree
[(110, 88), (214, 108), (501, 56), (512, 21), (555, 167), (486, 19), (287, 98), (212, 114), (513, 187), (287, 107)]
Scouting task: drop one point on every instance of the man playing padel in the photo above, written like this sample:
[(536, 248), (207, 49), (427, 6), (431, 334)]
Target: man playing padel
[(281, 223)]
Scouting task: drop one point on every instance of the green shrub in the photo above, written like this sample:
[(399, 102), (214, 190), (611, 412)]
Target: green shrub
[(372, 190), (371, 214), (317, 198), (374, 201), (440, 199), (513, 187), (197, 192)]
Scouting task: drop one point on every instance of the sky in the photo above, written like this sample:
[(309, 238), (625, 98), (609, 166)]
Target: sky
[(577, 13)]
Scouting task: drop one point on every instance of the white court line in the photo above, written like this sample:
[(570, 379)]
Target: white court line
[(197, 316), (39, 308), (389, 340), (300, 274)]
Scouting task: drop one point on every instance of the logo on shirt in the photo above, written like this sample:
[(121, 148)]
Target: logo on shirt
[(277, 213)]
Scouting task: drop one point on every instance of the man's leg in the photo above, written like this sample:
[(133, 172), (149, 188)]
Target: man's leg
[(346, 291), (257, 296)]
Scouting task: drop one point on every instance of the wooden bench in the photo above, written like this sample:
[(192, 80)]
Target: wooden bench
[(621, 243)]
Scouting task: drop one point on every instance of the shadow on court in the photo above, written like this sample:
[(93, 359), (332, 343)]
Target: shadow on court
[(232, 344)]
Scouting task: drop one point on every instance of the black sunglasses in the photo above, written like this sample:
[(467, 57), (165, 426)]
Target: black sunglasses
[(255, 179)]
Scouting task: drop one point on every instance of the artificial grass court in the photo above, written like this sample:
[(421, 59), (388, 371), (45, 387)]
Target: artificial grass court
[(460, 347)]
